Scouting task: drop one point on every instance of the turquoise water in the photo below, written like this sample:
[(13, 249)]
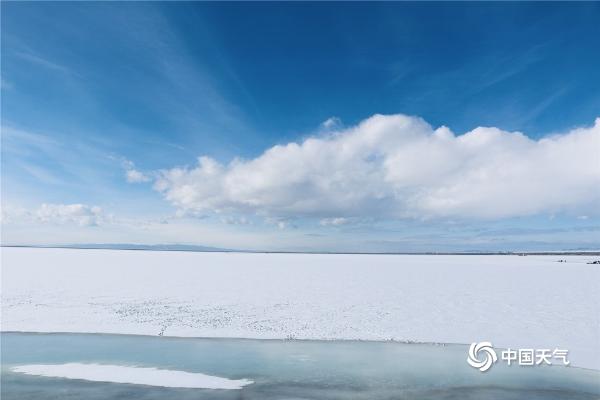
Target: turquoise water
[(284, 370)]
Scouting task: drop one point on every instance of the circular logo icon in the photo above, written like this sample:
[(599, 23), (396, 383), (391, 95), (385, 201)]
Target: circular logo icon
[(482, 356)]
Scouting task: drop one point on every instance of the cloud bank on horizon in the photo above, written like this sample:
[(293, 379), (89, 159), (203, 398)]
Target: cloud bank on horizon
[(389, 183), (398, 166)]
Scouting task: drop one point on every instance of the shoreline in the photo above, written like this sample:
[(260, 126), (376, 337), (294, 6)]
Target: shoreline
[(256, 339)]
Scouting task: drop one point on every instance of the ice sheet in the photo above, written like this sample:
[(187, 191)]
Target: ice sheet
[(511, 301)]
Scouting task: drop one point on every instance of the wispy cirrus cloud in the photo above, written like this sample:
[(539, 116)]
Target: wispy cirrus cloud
[(41, 61)]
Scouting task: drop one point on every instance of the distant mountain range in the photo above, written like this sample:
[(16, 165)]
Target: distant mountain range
[(196, 248), (131, 246)]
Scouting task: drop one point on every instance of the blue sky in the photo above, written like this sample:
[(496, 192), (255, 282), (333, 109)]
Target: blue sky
[(92, 92)]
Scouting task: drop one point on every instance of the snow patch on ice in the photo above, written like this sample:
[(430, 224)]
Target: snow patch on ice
[(132, 375)]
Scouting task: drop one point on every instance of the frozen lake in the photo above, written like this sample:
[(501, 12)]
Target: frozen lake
[(517, 302), (277, 369)]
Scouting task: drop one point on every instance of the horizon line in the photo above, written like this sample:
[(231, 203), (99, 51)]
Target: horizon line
[(209, 249)]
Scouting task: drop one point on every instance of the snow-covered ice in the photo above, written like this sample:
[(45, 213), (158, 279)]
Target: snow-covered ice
[(134, 375), (511, 301)]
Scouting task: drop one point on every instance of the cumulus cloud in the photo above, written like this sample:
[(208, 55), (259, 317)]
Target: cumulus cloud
[(135, 176), (331, 123), (52, 213), (398, 166), (132, 175), (79, 214), (9, 213)]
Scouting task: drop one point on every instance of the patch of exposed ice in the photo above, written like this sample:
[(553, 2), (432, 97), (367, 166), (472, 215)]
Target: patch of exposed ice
[(132, 375)]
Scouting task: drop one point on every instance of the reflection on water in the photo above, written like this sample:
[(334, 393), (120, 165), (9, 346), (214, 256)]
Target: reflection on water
[(284, 370)]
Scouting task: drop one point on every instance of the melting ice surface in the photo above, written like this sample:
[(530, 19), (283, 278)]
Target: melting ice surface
[(91, 366)]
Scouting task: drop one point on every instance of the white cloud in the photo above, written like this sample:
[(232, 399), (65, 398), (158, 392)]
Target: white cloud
[(135, 176), (331, 123), (280, 223), (10, 213), (41, 174), (79, 214), (333, 221), (398, 166), (231, 220)]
